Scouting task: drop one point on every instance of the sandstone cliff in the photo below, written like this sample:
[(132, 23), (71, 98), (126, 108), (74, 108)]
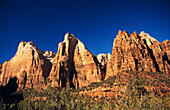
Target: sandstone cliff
[(134, 52), (74, 65), (28, 65)]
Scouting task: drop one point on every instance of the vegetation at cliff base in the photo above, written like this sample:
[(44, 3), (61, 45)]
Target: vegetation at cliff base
[(135, 90)]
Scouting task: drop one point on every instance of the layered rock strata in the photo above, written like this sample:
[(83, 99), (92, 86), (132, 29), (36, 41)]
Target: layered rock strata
[(138, 52)]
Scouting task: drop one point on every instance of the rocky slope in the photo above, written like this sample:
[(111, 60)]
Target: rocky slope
[(122, 84)]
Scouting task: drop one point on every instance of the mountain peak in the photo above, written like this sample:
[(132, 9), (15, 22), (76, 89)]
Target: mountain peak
[(68, 36), (24, 43), (148, 38), (74, 65), (125, 32), (135, 33), (120, 31), (25, 46)]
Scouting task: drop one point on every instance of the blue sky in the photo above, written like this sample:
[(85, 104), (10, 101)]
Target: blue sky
[(95, 22)]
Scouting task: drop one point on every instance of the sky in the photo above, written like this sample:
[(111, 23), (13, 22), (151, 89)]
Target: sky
[(94, 22)]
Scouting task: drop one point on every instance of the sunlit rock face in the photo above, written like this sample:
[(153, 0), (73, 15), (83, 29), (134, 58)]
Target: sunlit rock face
[(74, 65), (49, 55), (103, 58), (149, 40), (134, 52), (28, 65)]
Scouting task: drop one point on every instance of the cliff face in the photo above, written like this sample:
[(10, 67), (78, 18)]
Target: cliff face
[(133, 52), (74, 65), (28, 65)]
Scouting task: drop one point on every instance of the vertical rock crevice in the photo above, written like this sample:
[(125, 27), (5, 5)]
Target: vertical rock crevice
[(152, 56)]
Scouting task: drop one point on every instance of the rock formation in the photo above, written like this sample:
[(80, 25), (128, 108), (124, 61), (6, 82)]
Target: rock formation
[(28, 65), (133, 52), (49, 55), (149, 40), (0, 67), (74, 65), (103, 58)]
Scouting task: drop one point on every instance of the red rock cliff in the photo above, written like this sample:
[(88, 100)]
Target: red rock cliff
[(28, 65), (134, 52), (74, 65)]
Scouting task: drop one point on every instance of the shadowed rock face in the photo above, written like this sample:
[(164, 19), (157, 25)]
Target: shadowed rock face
[(74, 65), (9, 92), (28, 65), (133, 52), (103, 59)]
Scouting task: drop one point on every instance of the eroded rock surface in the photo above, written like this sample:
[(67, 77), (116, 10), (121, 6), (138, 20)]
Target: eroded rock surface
[(103, 58), (133, 52), (149, 40), (49, 55), (28, 65), (74, 65)]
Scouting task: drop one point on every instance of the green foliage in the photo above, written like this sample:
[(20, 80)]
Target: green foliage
[(52, 99), (134, 91), (110, 81)]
